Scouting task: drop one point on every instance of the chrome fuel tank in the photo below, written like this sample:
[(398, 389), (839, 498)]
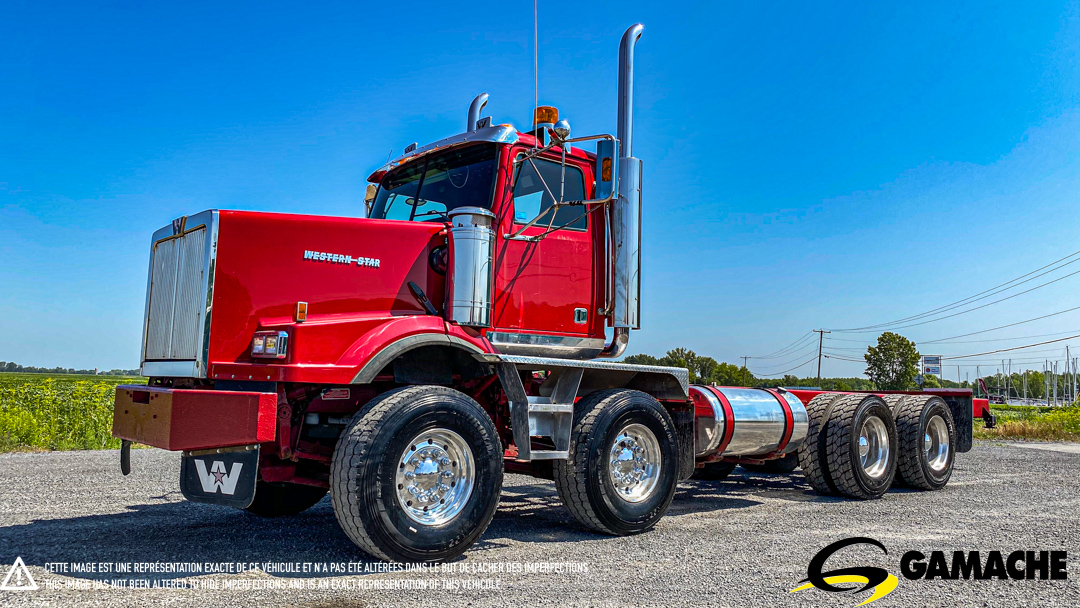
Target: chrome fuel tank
[(748, 422)]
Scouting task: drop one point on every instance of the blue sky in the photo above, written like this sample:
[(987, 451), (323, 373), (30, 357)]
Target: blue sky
[(805, 166)]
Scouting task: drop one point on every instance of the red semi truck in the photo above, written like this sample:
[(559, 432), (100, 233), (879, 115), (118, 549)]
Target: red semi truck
[(467, 326)]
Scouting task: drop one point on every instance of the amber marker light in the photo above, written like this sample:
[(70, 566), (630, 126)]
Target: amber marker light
[(546, 115)]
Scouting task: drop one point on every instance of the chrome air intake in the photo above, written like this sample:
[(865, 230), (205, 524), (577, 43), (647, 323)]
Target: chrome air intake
[(746, 422), (472, 241), (475, 108)]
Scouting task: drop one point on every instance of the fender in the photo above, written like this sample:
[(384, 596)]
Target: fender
[(391, 351)]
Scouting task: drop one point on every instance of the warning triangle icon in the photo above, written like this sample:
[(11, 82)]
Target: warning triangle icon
[(18, 578)]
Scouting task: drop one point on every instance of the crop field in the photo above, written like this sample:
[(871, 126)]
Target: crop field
[(1033, 423), (58, 411)]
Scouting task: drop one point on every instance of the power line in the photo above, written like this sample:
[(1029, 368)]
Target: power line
[(975, 297), (844, 358), (1058, 333), (803, 364), (970, 309), (844, 340), (780, 352), (795, 356), (1061, 312), (998, 339), (1014, 348)]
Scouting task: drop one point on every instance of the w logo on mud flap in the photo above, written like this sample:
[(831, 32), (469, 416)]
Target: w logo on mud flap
[(227, 478), (217, 480)]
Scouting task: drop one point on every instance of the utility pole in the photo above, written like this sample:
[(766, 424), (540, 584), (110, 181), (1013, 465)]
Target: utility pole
[(744, 360), (1054, 374), (820, 340), (1068, 363)]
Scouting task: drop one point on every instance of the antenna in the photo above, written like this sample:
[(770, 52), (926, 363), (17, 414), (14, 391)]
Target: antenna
[(536, 64)]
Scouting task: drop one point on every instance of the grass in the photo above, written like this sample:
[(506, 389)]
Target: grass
[(1033, 423), (58, 411)]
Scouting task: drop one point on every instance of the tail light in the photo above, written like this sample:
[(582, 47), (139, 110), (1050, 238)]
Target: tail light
[(270, 344)]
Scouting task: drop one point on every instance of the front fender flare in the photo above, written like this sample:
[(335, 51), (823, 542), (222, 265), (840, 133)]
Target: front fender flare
[(392, 351)]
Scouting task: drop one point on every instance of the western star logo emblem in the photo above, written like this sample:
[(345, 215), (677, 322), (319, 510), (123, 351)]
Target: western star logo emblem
[(217, 480), (337, 258)]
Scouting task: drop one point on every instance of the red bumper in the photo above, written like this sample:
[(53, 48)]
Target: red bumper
[(190, 419)]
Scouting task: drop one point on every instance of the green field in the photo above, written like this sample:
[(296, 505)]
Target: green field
[(1032, 423), (58, 411)]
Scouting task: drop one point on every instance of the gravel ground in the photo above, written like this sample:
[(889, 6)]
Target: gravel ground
[(742, 542)]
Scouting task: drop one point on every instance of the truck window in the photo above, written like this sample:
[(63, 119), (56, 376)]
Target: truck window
[(532, 199), (426, 189)]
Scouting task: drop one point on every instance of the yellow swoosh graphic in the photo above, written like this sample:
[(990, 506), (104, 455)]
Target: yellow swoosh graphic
[(885, 588)]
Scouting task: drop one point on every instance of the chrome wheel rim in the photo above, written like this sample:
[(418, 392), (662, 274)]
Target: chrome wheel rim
[(936, 443), (435, 477), (874, 447), (634, 463)]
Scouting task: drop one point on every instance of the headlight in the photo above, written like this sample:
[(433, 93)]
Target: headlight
[(270, 344)]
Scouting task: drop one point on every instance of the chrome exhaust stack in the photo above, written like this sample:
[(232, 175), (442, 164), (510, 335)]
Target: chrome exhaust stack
[(626, 212), (626, 224)]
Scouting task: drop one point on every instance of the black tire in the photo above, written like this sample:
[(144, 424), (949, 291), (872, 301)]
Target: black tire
[(714, 471), (779, 466), (813, 458), (913, 416), (363, 475), (282, 499), (583, 479), (843, 431)]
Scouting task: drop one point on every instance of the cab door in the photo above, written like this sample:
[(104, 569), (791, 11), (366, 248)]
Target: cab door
[(546, 295)]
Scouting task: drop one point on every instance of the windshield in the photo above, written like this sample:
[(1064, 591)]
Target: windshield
[(425, 190)]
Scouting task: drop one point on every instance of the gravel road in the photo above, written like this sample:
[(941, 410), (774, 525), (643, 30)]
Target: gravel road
[(742, 542)]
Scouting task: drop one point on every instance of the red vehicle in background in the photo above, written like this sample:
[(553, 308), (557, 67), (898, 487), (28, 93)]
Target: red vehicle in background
[(470, 325)]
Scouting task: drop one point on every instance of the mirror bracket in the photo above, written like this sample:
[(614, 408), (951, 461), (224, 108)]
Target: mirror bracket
[(607, 189)]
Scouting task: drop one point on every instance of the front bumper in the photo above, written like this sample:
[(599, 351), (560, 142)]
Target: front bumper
[(193, 419)]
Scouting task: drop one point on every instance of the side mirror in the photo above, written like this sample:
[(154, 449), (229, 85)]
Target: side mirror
[(369, 198), (607, 170)]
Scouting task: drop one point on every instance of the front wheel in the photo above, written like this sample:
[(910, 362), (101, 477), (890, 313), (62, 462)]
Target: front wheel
[(621, 472), (416, 475)]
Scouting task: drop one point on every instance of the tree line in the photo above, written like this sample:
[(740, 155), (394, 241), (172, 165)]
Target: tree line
[(10, 366), (891, 364)]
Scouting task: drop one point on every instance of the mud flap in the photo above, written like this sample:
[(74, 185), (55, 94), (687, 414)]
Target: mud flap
[(225, 477)]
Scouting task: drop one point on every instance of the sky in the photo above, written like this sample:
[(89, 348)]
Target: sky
[(806, 166)]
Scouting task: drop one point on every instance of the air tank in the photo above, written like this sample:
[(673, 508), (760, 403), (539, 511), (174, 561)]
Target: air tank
[(746, 422)]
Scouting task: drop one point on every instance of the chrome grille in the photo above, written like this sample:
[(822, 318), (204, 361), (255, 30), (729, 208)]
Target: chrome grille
[(177, 306)]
